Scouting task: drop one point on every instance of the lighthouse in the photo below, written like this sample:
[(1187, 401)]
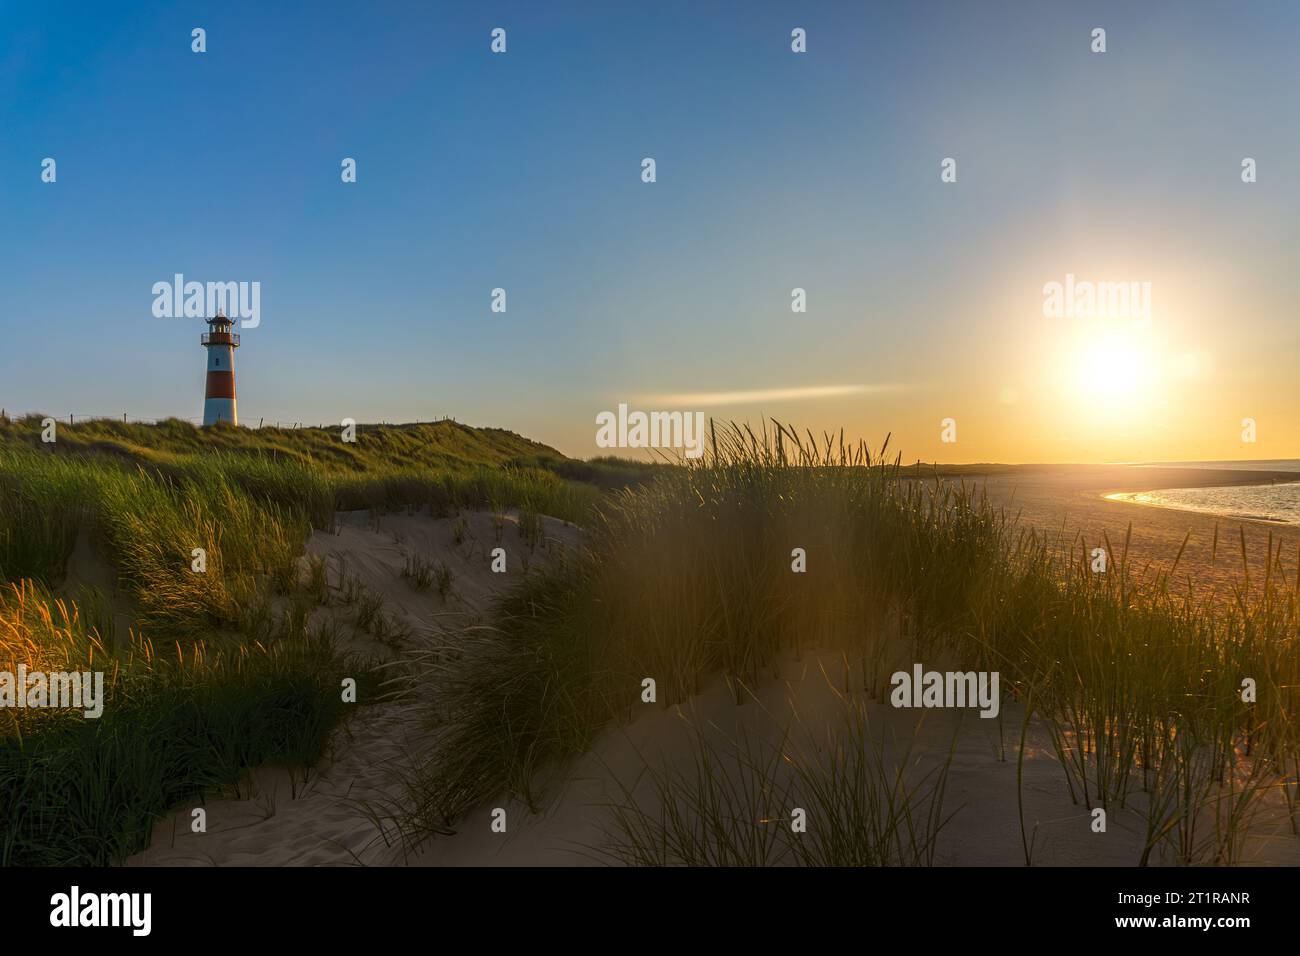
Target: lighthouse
[(219, 397)]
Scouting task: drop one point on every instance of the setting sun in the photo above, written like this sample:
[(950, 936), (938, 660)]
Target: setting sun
[(1113, 369)]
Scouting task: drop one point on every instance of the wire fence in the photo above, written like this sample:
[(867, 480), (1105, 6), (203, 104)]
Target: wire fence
[(73, 417)]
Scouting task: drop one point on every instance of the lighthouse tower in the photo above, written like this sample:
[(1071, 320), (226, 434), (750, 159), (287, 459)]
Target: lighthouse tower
[(219, 398)]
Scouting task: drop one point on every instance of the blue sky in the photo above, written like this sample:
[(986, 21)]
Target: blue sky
[(775, 170)]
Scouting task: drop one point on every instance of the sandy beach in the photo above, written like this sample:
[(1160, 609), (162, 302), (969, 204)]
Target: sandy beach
[(1066, 500)]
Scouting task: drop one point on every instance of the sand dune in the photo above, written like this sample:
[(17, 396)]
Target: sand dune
[(334, 816), (809, 696)]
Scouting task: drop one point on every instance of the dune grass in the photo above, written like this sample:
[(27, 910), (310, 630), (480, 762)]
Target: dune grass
[(686, 576), (178, 721), (839, 795), (690, 578), (431, 445), (216, 672), (147, 526), (249, 514)]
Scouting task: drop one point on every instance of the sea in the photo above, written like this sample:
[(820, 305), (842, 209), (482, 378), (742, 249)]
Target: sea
[(1279, 501)]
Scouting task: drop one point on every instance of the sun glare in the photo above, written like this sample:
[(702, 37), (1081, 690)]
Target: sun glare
[(1111, 370)]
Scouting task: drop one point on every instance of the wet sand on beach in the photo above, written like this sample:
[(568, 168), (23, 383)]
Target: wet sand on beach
[(1065, 500)]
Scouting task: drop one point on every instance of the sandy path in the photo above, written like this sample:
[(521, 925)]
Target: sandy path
[(982, 785), (280, 819)]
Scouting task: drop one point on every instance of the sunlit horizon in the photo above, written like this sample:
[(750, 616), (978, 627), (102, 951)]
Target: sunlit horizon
[(925, 299)]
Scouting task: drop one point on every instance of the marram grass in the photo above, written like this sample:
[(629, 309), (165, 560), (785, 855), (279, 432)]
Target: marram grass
[(179, 721), (688, 578), (216, 672)]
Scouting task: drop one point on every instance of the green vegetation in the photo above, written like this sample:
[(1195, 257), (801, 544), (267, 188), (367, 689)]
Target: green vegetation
[(217, 671), (604, 471), (142, 501), (434, 445), (419, 572), (178, 721), (689, 579), (685, 575)]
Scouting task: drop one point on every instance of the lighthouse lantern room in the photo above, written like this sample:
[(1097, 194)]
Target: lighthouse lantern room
[(219, 397)]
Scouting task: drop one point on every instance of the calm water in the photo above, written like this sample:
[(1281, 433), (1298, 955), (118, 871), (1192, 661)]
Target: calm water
[(1277, 502), (1271, 464)]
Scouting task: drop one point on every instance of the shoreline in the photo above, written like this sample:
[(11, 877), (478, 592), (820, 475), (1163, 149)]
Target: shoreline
[(1126, 484), (1133, 498), (1214, 549)]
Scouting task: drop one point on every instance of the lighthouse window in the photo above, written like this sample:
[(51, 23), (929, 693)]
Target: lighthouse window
[(218, 363)]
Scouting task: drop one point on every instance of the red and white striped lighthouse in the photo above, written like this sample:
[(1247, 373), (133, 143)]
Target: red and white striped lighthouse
[(219, 397)]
